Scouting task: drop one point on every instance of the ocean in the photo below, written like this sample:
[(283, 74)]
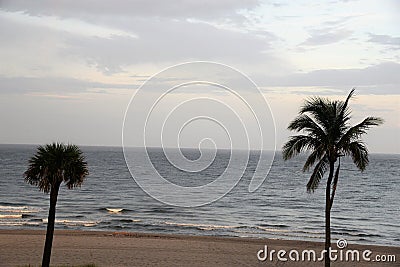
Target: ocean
[(365, 211)]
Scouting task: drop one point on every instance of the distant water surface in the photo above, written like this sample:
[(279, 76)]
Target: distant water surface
[(366, 208)]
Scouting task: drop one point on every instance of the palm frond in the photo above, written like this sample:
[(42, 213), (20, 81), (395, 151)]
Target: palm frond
[(297, 144), (319, 108), (343, 106), (316, 155), (355, 132), (317, 174), (359, 154), (303, 122), (75, 167)]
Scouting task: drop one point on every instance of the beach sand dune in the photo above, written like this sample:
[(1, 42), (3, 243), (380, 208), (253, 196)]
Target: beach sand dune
[(23, 247)]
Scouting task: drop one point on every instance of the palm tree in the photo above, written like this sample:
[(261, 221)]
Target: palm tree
[(328, 136), (48, 168)]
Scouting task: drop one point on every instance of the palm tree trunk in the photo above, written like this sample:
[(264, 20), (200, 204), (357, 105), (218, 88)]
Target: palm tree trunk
[(334, 186), (328, 214), (50, 226)]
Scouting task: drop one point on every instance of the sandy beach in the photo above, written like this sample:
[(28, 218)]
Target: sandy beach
[(24, 247)]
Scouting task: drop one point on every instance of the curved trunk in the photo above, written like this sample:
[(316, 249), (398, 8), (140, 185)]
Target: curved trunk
[(50, 226), (334, 185), (328, 214)]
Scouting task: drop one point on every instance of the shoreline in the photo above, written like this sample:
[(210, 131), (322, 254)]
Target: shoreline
[(113, 248)]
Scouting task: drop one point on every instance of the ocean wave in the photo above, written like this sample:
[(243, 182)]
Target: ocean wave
[(19, 223), (256, 231), (28, 215), (129, 220), (10, 216), (12, 223), (292, 233), (74, 222), (19, 209), (206, 227), (269, 229), (161, 210), (363, 235), (273, 225), (112, 210)]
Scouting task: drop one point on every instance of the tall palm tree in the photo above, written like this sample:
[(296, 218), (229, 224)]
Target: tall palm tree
[(48, 168), (326, 133)]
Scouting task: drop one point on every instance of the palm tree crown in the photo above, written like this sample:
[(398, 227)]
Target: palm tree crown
[(328, 135), (56, 163)]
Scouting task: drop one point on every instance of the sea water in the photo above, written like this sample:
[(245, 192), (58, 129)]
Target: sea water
[(365, 210)]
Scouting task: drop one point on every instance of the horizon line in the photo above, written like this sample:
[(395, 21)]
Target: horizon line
[(157, 147)]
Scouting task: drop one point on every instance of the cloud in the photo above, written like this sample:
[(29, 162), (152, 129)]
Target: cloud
[(332, 31), (147, 40), (340, 21), (326, 36), (137, 8), (64, 85), (392, 42), (66, 25), (169, 41), (378, 79)]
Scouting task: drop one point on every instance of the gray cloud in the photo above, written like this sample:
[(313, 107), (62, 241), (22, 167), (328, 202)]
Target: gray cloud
[(331, 31), (383, 78), (326, 36), (393, 42), (18, 85), (158, 40), (378, 79), (169, 41), (137, 8), (341, 21)]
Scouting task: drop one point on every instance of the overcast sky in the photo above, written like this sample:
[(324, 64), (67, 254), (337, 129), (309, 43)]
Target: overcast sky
[(69, 68)]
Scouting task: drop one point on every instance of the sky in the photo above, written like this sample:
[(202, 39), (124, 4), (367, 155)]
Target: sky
[(69, 68)]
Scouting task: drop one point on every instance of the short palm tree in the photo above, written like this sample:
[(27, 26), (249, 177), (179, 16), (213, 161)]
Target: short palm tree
[(52, 165), (326, 133)]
